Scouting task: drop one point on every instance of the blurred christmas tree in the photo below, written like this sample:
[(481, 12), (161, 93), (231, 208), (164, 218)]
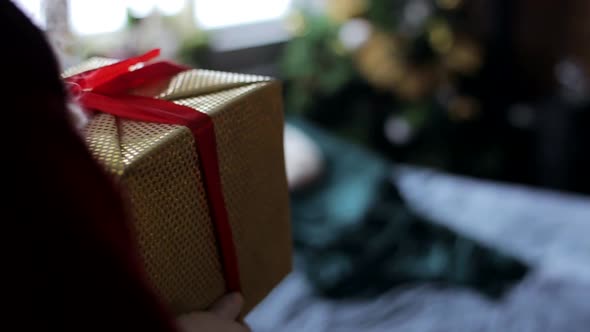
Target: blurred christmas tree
[(416, 80)]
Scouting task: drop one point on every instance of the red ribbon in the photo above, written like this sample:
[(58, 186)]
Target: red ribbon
[(106, 89)]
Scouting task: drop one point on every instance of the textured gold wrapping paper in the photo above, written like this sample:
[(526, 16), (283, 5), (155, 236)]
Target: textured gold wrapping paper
[(157, 164)]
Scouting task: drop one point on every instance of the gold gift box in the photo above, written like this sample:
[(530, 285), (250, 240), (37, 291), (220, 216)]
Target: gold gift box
[(157, 165)]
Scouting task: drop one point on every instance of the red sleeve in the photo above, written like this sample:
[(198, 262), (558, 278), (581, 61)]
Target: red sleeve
[(72, 263), (86, 256)]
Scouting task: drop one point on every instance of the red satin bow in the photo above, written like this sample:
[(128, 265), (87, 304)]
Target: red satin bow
[(106, 89)]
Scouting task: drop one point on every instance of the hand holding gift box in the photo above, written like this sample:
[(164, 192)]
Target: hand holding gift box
[(201, 160)]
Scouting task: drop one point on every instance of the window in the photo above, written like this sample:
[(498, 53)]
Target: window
[(233, 24), (96, 17), (32, 8), (212, 14), (142, 8)]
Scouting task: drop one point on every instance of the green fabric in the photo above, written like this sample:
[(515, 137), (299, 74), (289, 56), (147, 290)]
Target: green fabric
[(355, 236)]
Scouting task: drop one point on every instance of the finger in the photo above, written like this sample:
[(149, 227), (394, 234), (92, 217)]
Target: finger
[(208, 322), (237, 327), (245, 328), (229, 306)]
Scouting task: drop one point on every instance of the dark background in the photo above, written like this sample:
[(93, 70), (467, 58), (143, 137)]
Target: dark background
[(525, 41)]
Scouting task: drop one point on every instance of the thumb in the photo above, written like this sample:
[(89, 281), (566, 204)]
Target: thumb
[(229, 306)]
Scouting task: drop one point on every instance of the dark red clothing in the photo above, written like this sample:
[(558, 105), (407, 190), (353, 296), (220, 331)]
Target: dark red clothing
[(72, 261)]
